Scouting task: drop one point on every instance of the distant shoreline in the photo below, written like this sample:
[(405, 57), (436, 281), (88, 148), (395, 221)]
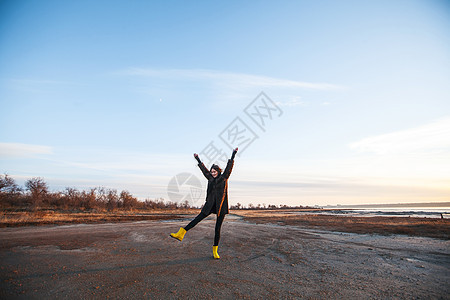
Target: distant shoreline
[(394, 205)]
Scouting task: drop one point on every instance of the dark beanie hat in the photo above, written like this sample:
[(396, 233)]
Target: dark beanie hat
[(217, 168)]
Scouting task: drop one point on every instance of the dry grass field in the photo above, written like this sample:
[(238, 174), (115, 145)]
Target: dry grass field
[(47, 217), (427, 227)]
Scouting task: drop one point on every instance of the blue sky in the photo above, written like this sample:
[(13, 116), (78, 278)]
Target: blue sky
[(121, 93)]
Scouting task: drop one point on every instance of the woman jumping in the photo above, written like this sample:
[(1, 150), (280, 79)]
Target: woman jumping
[(216, 199)]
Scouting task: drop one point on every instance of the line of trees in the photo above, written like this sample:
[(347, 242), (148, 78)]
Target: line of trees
[(268, 207), (36, 195)]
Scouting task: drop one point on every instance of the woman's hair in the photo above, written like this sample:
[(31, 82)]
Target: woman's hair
[(217, 168)]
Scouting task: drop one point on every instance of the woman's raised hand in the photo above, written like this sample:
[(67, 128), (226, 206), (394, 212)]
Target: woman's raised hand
[(234, 153), (197, 158)]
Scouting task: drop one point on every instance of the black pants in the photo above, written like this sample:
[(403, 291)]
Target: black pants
[(200, 217)]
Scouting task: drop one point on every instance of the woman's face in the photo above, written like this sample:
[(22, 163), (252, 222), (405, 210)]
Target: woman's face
[(214, 173)]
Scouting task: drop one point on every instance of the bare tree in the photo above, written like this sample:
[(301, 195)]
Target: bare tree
[(112, 200), (38, 189), (72, 198), (127, 200), (90, 198), (9, 191), (186, 204), (101, 200)]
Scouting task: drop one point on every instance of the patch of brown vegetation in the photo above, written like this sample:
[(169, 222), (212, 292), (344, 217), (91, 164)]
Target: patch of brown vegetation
[(427, 227), (46, 217)]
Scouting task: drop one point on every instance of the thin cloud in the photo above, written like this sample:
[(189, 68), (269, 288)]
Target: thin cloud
[(38, 85), (432, 137), (39, 81), (228, 78), (18, 150), (293, 102)]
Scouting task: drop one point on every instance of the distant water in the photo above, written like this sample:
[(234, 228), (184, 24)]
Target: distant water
[(427, 212)]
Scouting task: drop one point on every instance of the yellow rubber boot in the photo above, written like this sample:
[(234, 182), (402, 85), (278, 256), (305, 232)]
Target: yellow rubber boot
[(216, 255), (179, 235)]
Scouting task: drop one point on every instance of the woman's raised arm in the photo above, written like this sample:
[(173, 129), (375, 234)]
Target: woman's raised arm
[(230, 163), (202, 167)]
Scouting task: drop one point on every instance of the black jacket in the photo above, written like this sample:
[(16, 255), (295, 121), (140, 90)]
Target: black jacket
[(217, 191)]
